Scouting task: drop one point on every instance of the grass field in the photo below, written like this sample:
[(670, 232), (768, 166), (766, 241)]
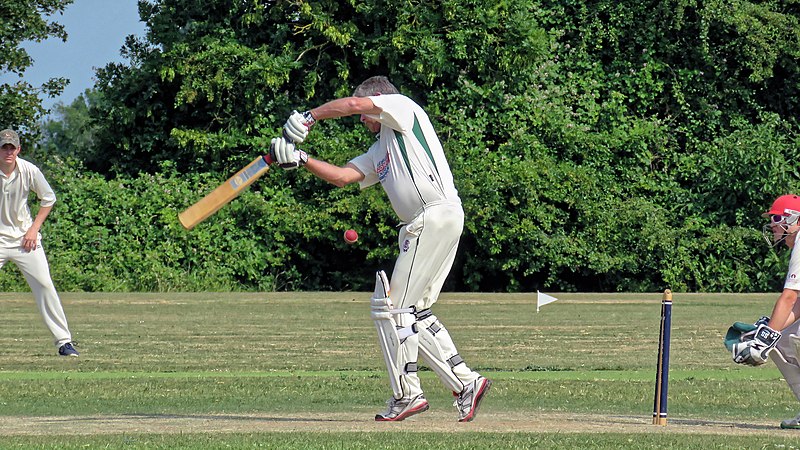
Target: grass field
[(302, 370)]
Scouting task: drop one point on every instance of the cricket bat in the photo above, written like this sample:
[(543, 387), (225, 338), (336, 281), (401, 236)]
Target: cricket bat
[(226, 192)]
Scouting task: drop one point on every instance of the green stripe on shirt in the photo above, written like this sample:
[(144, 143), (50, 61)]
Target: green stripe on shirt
[(403, 151), (417, 129)]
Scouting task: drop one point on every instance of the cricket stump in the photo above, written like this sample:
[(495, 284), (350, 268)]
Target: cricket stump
[(662, 368)]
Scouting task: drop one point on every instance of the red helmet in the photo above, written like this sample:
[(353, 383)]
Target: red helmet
[(782, 203), (784, 212)]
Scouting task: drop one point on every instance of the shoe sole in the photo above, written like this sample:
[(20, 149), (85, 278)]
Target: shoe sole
[(477, 402), (790, 427), (405, 415)]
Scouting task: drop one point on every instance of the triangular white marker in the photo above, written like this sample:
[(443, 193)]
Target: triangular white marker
[(543, 299)]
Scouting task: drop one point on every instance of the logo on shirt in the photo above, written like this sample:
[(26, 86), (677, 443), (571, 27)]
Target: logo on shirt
[(383, 168), (406, 245)]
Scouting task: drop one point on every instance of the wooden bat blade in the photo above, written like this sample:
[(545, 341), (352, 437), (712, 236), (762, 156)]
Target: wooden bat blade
[(223, 194)]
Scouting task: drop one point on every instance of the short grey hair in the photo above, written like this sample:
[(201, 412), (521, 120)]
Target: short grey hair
[(375, 85)]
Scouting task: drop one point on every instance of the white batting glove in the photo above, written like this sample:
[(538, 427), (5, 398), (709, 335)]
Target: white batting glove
[(297, 127), (286, 155)]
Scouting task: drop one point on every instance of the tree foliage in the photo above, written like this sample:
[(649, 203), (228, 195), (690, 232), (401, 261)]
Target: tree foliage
[(68, 132), (20, 21), (601, 145)]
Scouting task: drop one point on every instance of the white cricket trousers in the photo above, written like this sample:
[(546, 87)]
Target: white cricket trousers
[(427, 250), (788, 347), (36, 271)]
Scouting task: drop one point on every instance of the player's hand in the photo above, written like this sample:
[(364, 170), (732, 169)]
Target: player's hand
[(755, 352), (296, 128), (286, 155), (30, 240)]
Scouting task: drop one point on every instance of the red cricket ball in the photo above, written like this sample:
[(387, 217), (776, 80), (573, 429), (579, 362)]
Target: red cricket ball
[(350, 236)]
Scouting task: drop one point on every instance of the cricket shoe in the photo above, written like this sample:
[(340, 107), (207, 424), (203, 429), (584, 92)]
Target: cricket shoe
[(403, 409), (468, 400), (792, 423), (67, 350)]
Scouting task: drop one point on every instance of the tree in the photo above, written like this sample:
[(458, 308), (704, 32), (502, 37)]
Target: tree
[(600, 145), (201, 89), (214, 79), (20, 21), (67, 132)]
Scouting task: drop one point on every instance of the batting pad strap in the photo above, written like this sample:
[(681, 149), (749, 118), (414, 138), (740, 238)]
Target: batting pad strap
[(411, 367), (379, 309), (455, 360), (383, 309), (404, 332), (434, 328), (422, 315)]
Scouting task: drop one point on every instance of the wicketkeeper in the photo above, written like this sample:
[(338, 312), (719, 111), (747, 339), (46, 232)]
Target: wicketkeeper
[(408, 161), (778, 335)]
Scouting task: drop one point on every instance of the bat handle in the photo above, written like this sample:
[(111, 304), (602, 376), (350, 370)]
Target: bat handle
[(270, 157)]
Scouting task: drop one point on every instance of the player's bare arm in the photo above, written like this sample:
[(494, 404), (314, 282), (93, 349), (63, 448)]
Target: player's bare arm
[(786, 310), (344, 107), (297, 126), (339, 176)]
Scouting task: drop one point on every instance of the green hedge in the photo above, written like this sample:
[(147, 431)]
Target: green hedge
[(542, 224), (597, 146)]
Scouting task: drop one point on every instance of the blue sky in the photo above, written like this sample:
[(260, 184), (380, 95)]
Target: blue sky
[(97, 30)]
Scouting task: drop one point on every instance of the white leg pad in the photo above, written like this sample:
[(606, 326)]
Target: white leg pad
[(787, 362), (791, 374), (390, 339), (438, 351)]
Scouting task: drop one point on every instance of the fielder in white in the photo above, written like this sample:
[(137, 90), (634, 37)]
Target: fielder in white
[(778, 336), (20, 240), (408, 161)]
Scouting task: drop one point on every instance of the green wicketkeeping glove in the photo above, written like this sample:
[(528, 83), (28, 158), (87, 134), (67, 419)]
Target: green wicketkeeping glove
[(739, 332)]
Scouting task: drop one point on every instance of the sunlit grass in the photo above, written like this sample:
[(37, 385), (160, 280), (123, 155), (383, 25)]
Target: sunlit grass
[(315, 353)]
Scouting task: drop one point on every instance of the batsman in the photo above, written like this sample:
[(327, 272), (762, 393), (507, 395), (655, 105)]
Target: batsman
[(778, 335), (407, 159)]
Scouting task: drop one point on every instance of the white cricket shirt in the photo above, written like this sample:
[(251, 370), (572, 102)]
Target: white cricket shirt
[(408, 159), (793, 274), (15, 214)]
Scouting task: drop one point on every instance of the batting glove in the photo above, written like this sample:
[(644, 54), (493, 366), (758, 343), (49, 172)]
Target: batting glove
[(755, 352), (297, 127), (286, 155)]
